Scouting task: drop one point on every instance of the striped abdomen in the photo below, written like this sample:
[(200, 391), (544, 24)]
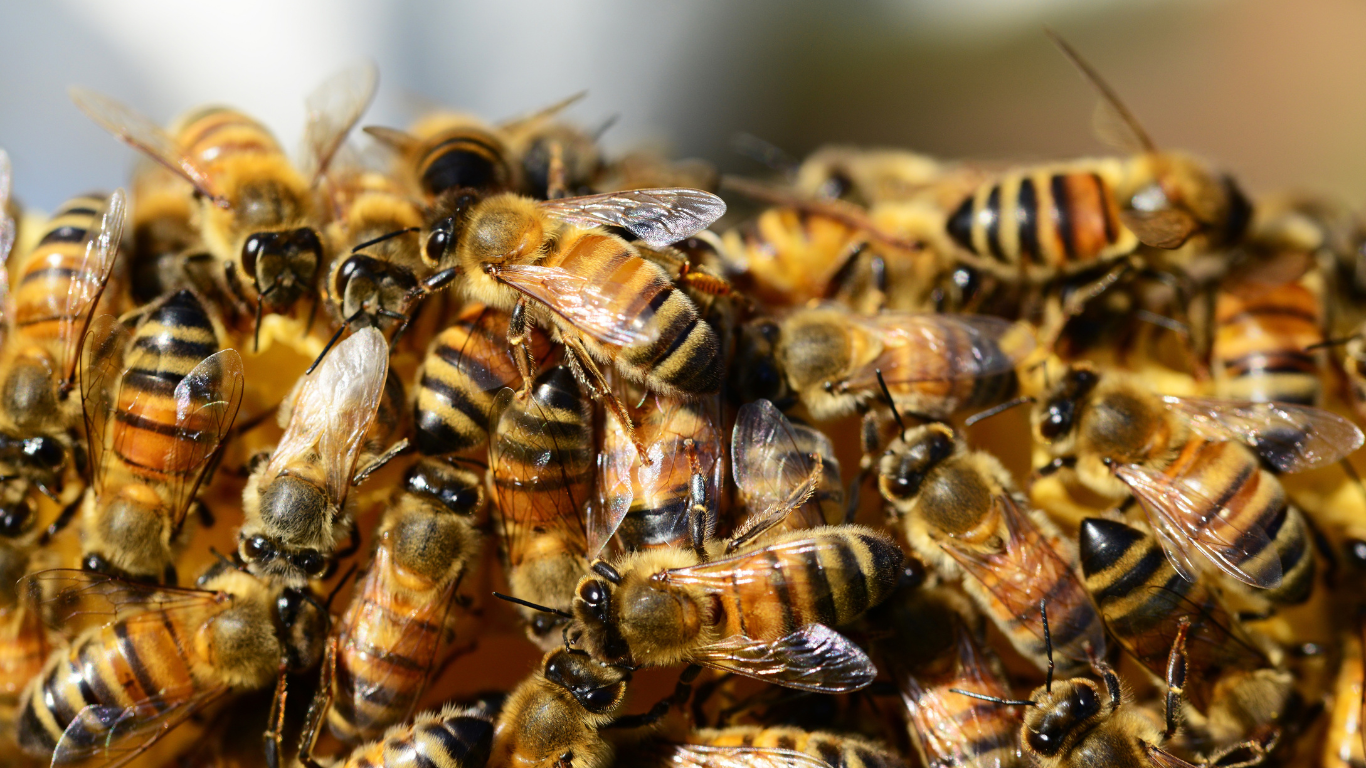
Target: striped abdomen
[(1043, 221), (1262, 342), (941, 380), (465, 367), (821, 576), (452, 738), (834, 749), (146, 658), (1142, 599), (173, 338), (681, 358), (47, 275), (462, 157), (1228, 474), (794, 256), (215, 134)]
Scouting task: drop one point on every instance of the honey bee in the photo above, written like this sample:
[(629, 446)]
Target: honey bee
[(404, 612), (158, 406), (466, 366), (671, 501), (960, 510), (59, 287), (776, 747), (933, 646), (785, 470), (453, 737), (1231, 682), (146, 658), (254, 210), (541, 460), (664, 607), (165, 242), (865, 175), (550, 264), (294, 504), (1057, 219), (556, 157), (445, 152), (1193, 464)]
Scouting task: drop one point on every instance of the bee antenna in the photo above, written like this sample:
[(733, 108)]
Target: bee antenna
[(1002, 408), (994, 699), (881, 382), (1106, 92), (533, 606), (256, 338), (225, 560), (332, 341), (337, 589), (1333, 342), (1047, 646), (386, 236)]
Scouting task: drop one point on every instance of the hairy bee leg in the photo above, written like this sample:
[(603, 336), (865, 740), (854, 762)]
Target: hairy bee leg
[(1104, 671), (518, 331), (699, 524), (600, 390), (275, 721), (555, 186), (317, 710), (682, 692), (395, 450), (1176, 678)]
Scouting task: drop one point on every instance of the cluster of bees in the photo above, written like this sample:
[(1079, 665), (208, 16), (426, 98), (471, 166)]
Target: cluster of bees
[(475, 344)]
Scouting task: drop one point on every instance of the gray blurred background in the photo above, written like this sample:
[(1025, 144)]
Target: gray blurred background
[(1271, 89)]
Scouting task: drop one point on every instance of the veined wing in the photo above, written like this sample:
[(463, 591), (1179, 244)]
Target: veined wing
[(582, 303), (814, 658), (658, 216), (1292, 438)]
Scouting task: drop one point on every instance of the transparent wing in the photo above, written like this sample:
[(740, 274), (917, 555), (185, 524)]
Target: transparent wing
[(1126, 131), (101, 370), (658, 216), (393, 138), (1026, 570), (617, 465), (704, 756), (1161, 758), (7, 235), (71, 600), (932, 347), (87, 284), (666, 425), (814, 658), (582, 303), (334, 409), (773, 470), (1181, 516), (333, 109), (207, 401), (1168, 228), (112, 736), (535, 119), (1292, 438), (146, 136)]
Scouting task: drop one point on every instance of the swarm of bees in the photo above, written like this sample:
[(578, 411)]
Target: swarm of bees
[(279, 431)]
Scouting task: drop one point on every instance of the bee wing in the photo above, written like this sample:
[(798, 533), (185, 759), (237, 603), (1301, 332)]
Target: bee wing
[(334, 409), (101, 369), (514, 472), (706, 756), (581, 302), (1168, 228), (78, 305), (1026, 570), (1292, 438), (681, 419), (1181, 516), (1161, 758), (113, 736), (145, 136), (814, 658), (1223, 642), (207, 401), (7, 234), (772, 469), (71, 600), (333, 109), (658, 216), (969, 346), (617, 464)]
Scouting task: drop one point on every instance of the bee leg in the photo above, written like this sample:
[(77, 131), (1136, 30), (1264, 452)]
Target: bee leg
[(205, 515), (1105, 672), (555, 186), (518, 326), (1176, 678), (63, 520), (1075, 302), (700, 523), (352, 545), (682, 691), (599, 390), (317, 710), (169, 577), (275, 721), (396, 450)]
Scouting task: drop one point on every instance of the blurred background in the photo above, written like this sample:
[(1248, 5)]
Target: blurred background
[(1271, 90)]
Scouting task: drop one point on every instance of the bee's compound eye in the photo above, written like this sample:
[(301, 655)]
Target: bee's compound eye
[(45, 451), (439, 240), (593, 593), (14, 520), (599, 699), (311, 563), (252, 249), (1057, 419), (257, 548)]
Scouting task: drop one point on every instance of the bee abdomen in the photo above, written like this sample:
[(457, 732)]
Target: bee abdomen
[(53, 264), (836, 750), (464, 158), (214, 132), (1260, 342)]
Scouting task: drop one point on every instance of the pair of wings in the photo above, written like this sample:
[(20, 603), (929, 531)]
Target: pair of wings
[(707, 756), (957, 348), (334, 409), (1027, 570), (206, 403), (812, 658), (333, 109), (778, 468), (657, 216), (72, 601), (664, 427), (1291, 438)]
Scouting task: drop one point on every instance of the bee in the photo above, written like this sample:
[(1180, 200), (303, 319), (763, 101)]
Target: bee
[(556, 157), (550, 264), (60, 285), (1079, 723), (541, 460), (452, 737), (158, 406), (146, 658), (865, 175), (1193, 464), (761, 612), (445, 152), (1231, 682), (933, 645), (785, 469), (1052, 220), (294, 504), (960, 510), (165, 243), (466, 366), (404, 612), (671, 501), (254, 210), (833, 749)]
